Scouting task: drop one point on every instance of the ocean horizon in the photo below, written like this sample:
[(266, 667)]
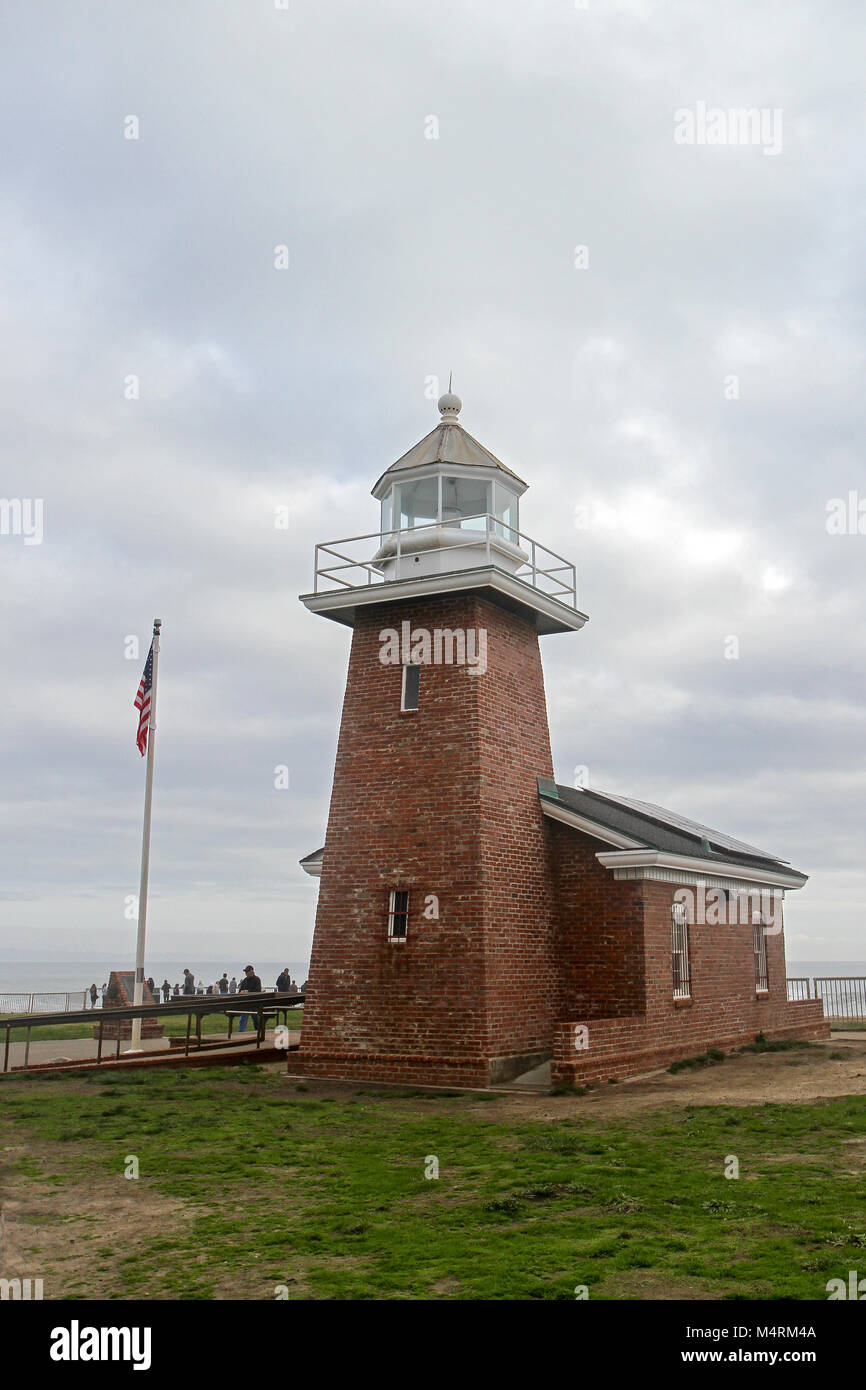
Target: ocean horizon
[(34, 977)]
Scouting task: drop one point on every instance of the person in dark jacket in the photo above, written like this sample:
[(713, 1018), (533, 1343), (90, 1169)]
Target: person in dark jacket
[(284, 981), (166, 991), (188, 982), (250, 984), (224, 983), (93, 993)]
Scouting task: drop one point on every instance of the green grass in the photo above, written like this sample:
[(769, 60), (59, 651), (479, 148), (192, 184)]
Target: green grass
[(275, 1184)]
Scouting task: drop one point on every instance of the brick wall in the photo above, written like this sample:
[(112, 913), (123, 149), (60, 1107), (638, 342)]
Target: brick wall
[(444, 802), (599, 931), (722, 1010), (532, 933)]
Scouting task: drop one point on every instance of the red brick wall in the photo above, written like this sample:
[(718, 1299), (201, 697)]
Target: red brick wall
[(442, 801), (532, 934), (519, 903), (723, 1007), (599, 931)]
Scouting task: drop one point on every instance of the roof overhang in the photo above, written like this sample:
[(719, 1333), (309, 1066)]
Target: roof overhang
[(415, 472), (557, 811), (624, 862), (550, 615), (312, 863)]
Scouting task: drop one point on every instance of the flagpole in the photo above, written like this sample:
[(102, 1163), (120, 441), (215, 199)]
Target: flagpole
[(145, 846)]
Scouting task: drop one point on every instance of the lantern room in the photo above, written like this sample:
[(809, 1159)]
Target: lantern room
[(448, 504)]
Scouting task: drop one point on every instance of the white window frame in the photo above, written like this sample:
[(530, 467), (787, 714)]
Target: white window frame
[(681, 969), (759, 948), (393, 914), (404, 708)]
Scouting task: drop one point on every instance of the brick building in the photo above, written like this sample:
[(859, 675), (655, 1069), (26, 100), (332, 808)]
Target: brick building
[(474, 918)]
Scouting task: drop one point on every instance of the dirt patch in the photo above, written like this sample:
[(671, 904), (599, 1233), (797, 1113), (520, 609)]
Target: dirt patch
[(57, 1234), (653, 1284), (741, 1079)]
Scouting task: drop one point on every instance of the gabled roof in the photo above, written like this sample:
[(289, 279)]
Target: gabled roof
[(448, 442), (641, 824)]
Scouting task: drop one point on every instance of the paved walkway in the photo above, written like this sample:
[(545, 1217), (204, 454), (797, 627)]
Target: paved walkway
[(84, 1049)]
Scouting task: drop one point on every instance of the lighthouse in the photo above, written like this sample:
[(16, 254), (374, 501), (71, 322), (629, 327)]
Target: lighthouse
[(477, 920), (433, 951)]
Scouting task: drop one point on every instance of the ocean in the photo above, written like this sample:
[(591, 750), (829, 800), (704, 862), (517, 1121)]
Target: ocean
[(34, 976), (41, 976)]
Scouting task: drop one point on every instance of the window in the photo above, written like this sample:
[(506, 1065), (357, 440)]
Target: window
[(465, 503), (411, 688), (680, 951), (505, 511), (762, 979), (398, 914), (419, 503)]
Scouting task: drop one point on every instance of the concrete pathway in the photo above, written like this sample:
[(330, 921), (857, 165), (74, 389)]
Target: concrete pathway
[(538, 1079)]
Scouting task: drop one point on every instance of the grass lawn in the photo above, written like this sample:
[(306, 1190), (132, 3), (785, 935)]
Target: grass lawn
[(249, 1181)]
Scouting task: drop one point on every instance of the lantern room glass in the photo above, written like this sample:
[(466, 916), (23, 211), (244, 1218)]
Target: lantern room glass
[(463, 503), (418, 503)]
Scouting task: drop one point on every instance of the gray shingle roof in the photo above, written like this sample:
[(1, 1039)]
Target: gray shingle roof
[(653, 827)]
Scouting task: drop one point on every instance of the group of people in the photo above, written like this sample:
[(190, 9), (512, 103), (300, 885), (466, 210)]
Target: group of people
[(249, 984), (224, 985)]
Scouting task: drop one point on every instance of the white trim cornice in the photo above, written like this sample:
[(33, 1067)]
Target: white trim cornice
[(550, 614), (702, 868)]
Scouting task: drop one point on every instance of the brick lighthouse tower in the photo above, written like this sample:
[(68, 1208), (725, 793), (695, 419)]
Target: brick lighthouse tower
[(434, 953)]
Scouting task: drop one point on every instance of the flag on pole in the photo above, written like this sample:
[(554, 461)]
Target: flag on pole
[(142, 703)]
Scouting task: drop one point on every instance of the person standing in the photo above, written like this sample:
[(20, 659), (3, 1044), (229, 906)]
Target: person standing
[(93, 995), (103, 992), (284, 981), (224, 983), (233, 985), (250, 984), (176, 991), (151, 986), (166, 991), (188, 982)]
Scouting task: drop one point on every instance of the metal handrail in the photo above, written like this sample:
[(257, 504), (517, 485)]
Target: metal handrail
[(192, 1005), (494, 527)]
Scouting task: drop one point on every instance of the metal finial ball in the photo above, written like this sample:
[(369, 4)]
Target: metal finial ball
[(450, 406)]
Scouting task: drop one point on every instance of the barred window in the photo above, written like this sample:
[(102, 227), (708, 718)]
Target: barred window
[(398, 914), (762, 978), (680, 951)]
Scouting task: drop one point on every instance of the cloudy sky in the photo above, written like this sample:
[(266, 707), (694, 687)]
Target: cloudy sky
[(684, 397)]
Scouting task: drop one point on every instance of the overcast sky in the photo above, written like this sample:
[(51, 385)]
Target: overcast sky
[(684, 397)]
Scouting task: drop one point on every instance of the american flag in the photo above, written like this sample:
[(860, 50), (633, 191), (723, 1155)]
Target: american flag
[(142, 703)]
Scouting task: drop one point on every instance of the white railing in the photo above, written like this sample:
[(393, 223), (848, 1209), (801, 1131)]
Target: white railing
[(42, 1002), (352, 566)]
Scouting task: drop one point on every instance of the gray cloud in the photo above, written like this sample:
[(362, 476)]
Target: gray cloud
[(603, 387)]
